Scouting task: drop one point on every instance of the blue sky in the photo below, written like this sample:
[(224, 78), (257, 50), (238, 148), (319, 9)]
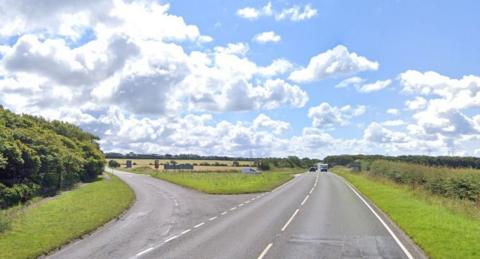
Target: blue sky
[(189, 77)]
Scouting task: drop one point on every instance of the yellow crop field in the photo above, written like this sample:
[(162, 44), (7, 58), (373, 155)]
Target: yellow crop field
[(198, 165)]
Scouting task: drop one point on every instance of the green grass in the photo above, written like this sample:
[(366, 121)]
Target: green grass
[(227, 183), (439, 230), (49, 223)]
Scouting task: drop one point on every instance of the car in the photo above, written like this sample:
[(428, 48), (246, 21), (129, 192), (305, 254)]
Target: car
[(313, 169), (323, 167)]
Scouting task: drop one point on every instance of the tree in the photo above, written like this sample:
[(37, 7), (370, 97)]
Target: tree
[(3, 162), (113, 164)]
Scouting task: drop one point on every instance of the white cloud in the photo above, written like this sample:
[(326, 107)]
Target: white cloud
[(417, 103), (352, 81), (295, 13), (375, 132), (334, 62), (441, 106), (263, 122), (373, 87), (393, 123), (326, 116), (277, 67), (268, 36), (393, 111)]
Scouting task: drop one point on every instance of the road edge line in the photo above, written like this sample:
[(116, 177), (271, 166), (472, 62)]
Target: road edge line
[(392, 234)]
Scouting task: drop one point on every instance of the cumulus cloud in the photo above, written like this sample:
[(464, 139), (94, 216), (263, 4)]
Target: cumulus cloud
[(326, 116), (334, 62), (268, 36), (79, 66), (393, 111), (294, 13), (263, 122), (352, 81), (373, 87), (441, 106), (375, 132)]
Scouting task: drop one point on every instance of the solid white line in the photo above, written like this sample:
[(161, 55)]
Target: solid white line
[(399, 243), (170, 239), (265, 251), (145, 251), (212, 218), (290, 220), (185, 232), (310, 192), (304, 200), (225, 212), (199, 225)]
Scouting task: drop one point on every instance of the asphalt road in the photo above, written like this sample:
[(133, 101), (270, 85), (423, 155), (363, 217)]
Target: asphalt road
[(316, 215)]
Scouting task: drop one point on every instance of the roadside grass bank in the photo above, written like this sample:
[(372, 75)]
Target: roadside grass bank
[(440, 228), (227, 182), (46, 224)]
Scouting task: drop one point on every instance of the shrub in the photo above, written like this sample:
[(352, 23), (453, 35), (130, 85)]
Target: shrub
[(113, 164), (448, 182)]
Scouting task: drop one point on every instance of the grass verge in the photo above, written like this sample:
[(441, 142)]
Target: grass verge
[(47, 224), (227, 182), (440, 231)]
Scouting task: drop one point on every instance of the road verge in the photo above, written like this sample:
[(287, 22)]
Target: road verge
[(50, 223), (439, 231)]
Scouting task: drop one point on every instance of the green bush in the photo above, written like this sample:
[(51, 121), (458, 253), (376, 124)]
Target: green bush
[(113, 164), (461, 184), (43, 157)]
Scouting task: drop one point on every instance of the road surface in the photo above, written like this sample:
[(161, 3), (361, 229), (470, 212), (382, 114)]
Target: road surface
[(316, 215)]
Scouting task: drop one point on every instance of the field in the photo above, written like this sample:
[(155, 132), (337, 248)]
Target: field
[(226, 183), (442, 227), (51, 222), (222, 165)]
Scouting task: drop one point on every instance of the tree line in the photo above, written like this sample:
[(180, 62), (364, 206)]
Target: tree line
[(41, 157), (286, 162), (438, 161), (131, 155)]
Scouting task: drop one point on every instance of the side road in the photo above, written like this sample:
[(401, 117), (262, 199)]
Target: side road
[(161, 208)]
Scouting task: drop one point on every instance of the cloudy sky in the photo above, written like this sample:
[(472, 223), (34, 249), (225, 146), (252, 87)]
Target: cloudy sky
[(250, 78)]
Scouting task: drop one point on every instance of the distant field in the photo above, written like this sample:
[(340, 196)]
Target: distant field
[(197, 167), (49, 223), (443, 228), (226, 183)]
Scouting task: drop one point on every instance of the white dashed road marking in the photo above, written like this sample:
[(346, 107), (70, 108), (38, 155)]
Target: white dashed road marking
[(199, 225), (290, 220), (265, 251)]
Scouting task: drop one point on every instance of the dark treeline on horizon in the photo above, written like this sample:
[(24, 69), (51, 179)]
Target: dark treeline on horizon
[(131, 155), (447, 161)]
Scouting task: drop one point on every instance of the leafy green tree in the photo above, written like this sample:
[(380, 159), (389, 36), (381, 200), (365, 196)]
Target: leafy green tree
[(113, 164)]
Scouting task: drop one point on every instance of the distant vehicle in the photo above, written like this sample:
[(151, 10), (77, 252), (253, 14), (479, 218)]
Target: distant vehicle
[(313, 169), (323, 167), (249, 170)]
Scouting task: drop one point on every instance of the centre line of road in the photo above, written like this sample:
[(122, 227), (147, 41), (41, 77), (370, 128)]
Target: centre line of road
[(213, 218), (397, 240), (265, 251), (234, 208), (240, 205), (304, 200), (199, 225), (144, 252), (290, 220), (186, 231), (170, 239), (224, 213)]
